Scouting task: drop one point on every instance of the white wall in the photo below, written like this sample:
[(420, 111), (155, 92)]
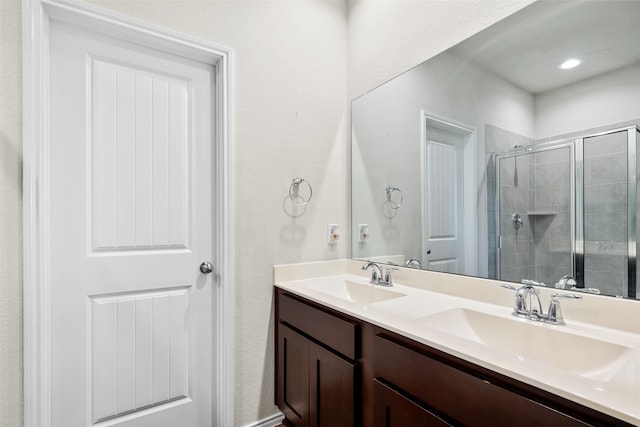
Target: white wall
[(387, 131), (599, 101), (290, 119), (290, 107), (387, 37), (386, 120), (10, 215)]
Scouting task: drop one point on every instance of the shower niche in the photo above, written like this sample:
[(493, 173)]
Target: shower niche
[(565, 207)]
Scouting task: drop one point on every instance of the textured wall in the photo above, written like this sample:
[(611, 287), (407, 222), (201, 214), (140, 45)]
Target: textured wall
[(10, 215), (578, 107), (386, 131), (388, 37), (290, 105), (290, 119)]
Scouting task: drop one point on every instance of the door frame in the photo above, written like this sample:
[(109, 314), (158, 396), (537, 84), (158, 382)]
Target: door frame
[(470, 156), (36, 17)]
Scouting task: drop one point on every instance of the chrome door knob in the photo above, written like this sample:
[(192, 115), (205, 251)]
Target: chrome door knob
[(206, 267)]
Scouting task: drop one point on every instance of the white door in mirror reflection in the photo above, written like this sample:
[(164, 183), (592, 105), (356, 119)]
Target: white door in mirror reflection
[(444, 200)]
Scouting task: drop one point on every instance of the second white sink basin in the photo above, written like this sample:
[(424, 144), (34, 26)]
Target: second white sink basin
[(359, 293), (584, 356)]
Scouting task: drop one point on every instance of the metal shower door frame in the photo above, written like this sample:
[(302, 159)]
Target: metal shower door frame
[(577, 171), (632, 198), (533, 149)]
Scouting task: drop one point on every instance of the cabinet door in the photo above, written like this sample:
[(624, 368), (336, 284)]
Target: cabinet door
[(391, 409), (293, 377), (332, 394)]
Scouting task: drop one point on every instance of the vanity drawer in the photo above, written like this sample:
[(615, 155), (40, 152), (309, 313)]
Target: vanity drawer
[(464, 397), (391, 409), (336, 332)]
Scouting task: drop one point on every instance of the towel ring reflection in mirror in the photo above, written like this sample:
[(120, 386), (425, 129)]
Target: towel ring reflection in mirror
[(294, 191), (395, 200)]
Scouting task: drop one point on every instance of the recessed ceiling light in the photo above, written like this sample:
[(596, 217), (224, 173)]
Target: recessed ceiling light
[(570, 63)]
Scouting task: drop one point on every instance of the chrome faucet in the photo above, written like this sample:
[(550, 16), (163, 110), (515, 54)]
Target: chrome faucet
[(528, 305), (376, 273), (377, 276), (566, 282), (414, 263), (554, 315)]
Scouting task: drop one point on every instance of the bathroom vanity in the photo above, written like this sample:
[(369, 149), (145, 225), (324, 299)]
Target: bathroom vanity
[(351, 353), (487, 160)]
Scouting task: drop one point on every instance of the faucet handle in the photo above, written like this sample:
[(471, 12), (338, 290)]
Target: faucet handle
[(532, 282), (508, 286), (566, 296), (387, 275), (554, 315)]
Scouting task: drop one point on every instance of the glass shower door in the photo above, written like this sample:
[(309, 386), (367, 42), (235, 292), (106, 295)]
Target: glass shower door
[(606, 241), (535, 213)]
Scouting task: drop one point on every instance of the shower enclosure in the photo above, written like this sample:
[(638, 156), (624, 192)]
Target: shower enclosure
[(568, 208)]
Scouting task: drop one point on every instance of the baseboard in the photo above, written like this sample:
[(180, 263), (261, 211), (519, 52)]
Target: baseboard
[(271, 421)]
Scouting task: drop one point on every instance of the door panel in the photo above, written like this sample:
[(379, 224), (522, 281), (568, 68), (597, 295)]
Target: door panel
[(131, 147), (294, 365), (139, 349), (139, 153), (332, 394), (444, 213)]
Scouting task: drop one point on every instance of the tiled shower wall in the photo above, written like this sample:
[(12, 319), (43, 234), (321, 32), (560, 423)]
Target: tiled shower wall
[(517, 257), (520, 244), (537, 187), (605, 212), (550, 215)]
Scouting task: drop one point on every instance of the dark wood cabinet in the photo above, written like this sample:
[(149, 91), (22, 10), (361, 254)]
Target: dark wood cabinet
[(333, 370), (332, 389), (316, 384), (293, 365), (392, 409), (465, 398)]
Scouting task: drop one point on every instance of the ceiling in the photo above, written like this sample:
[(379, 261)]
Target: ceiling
[(527, 48)]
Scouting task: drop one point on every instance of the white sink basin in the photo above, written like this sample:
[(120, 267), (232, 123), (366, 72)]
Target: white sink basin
[(584, 356), (359, 293)]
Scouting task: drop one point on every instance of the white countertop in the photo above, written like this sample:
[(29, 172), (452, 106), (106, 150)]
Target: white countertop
[(592, 364)]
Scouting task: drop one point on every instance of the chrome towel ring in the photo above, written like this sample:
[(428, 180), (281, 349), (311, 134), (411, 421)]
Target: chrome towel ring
[(294, 191), (395, 200)]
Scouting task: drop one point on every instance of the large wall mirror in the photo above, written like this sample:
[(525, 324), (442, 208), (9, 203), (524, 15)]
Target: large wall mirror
[(512, 155)]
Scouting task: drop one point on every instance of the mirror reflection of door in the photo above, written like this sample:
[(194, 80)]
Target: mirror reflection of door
[(444, 238)]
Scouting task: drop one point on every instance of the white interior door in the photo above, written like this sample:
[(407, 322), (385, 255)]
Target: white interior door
[(444, 201), (132, 214)]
